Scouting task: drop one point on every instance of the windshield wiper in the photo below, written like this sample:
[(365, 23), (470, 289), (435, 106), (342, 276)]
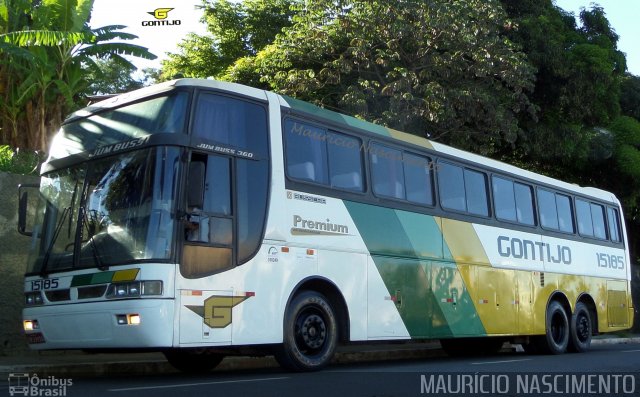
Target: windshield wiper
[(47, 254), (92, 243)]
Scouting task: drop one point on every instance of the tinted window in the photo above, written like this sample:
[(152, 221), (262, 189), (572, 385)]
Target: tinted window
[(524, 204), (417, 176), (252, 186), (233, 122), (565, 219), (451, 186), (585, 223), (345, 164), (476, 191), (597, 214), (504, 199), (614, 224), (387, 171), (306, 152), (547, 209)]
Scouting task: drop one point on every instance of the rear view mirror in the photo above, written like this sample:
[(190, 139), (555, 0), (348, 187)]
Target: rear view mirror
[(23, 207), (195, 185)]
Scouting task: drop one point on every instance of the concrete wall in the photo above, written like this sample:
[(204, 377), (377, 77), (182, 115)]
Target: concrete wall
[(13, 247)]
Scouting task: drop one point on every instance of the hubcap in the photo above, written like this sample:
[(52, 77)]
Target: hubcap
[(311, 332), (583, 328), (557, 327)]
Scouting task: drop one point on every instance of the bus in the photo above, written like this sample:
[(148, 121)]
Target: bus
[(203, 219)]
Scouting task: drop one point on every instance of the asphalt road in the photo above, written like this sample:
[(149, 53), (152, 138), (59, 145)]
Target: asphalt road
[(509, 374)]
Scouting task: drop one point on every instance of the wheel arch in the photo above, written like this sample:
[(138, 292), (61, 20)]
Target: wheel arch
[(331, 291), (561, 298)]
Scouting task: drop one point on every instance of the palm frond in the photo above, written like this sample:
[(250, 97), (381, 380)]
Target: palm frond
[(28, 38), (102, 50)]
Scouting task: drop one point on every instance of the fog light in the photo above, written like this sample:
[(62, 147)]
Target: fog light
[(134, 319), (30, 325)]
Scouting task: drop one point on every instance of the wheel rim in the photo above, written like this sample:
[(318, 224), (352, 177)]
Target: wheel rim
[(558, 327), (583, 328), (311, 332)]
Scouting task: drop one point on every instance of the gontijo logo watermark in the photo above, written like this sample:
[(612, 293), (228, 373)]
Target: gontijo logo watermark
[(161, 15), (22, 384)]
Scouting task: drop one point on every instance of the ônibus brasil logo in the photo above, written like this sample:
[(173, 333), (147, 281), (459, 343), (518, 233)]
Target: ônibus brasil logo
[(23, 384), (161, 15)]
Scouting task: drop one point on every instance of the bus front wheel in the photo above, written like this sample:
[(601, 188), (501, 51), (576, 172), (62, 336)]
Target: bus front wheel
[(310, 333)]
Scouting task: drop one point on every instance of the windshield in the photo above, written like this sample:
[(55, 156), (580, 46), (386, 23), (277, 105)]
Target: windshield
[(108, 212)]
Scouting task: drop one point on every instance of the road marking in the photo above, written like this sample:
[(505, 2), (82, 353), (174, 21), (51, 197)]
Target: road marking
[(501, 362), (196, 384), (631, 351)]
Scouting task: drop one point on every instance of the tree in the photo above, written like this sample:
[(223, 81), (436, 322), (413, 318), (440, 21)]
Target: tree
[(630, 96), (235, 30), (438, 69), (44, 50), (109, 76)]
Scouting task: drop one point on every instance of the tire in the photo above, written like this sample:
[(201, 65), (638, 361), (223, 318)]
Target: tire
[(310, 333), (580, 335), (556, 339), (193, 361)]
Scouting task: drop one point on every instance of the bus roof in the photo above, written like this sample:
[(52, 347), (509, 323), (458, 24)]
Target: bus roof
[(340, 120)]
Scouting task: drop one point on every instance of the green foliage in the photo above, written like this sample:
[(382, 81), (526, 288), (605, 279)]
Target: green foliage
[(44, 47), (110, 76), (235, 30), (630, 96), (18, 161), (439, 69)]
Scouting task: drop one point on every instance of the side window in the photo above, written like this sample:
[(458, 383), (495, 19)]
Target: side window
[(462, 189), (208, 225), (451, 186), (524, 204), (585, 223), (324, 157), (475, 184), (547, 209), (235, 122), (504, 199), (306, 152), (565, 218), (555, 211), (387, 172), (614, 224), (417, 177), (597, 214), (345, 162)]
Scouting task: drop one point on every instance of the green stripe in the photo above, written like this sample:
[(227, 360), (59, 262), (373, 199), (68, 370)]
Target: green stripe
[(91, 279), (335, 117), (408, 251)]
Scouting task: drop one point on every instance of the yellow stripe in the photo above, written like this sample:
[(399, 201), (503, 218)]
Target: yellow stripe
[(125, 275)]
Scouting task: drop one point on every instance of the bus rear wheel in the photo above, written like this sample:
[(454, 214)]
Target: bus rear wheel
[(310, 333), (556, 338), (193, 361), (580, 337)]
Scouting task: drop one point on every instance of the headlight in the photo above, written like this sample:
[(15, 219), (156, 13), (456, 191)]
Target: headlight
[(33, 298), (134, 289)]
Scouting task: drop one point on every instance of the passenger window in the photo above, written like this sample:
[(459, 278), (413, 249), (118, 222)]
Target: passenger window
[(548, 209), (345, 162), (476, 191), (387, 171), (417, 176), (565, 218), (524, 204), (451, 186), (597, 214), (306, 152), (585, 223), (504, 199), (614, 224)]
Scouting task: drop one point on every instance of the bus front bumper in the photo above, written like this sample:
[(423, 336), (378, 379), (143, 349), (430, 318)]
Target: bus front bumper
[(131, 323)]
